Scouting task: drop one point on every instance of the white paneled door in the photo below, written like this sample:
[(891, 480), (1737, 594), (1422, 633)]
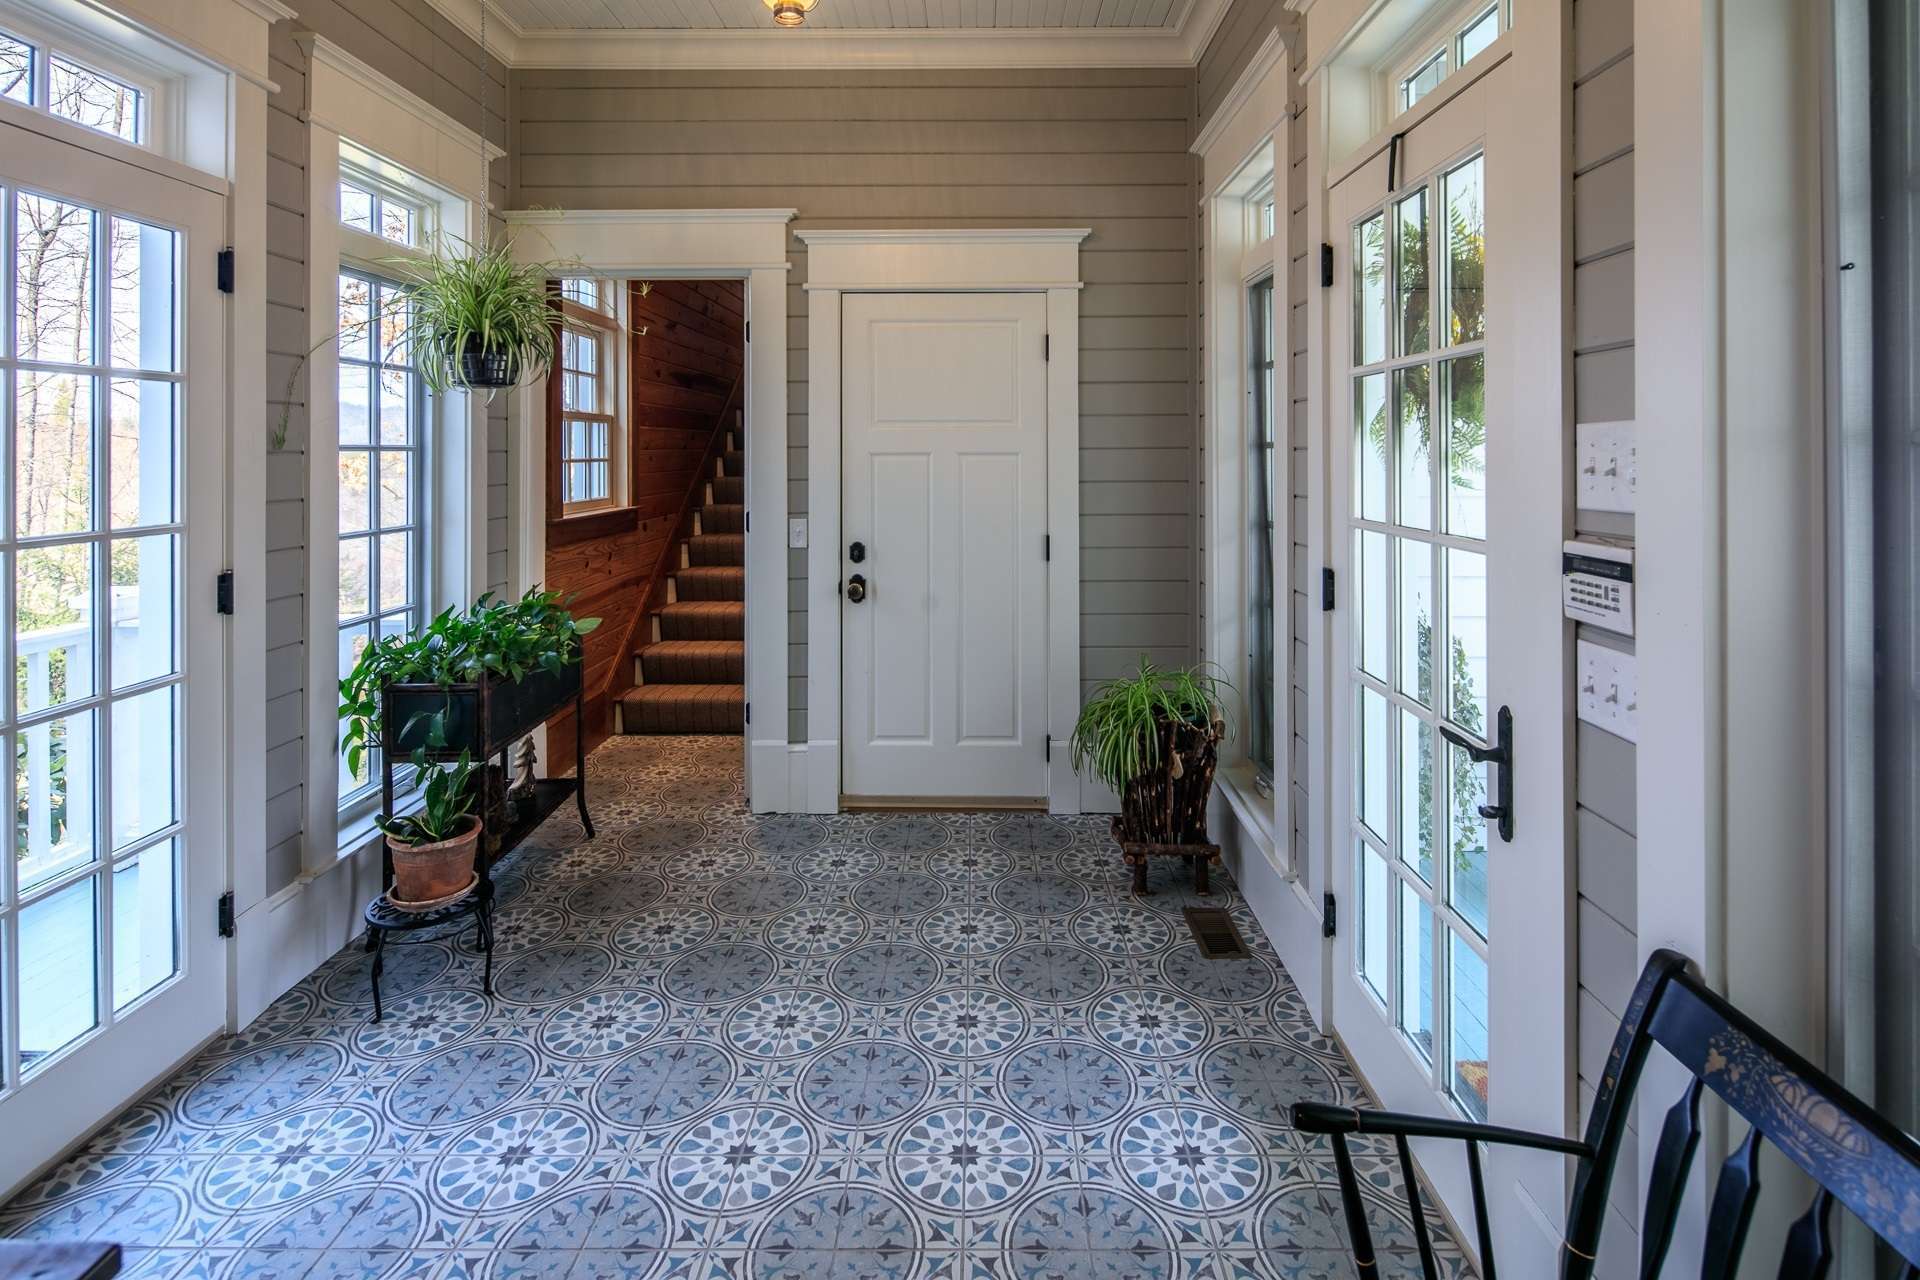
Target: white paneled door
[(112, 382), (944, 508), (1451, 971)]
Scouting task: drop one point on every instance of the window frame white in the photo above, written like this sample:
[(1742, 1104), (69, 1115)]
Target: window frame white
[(432, 163), (1243, 149), (605, 324)]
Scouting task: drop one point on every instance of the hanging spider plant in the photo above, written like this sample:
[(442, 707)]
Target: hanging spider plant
[(478, 318)]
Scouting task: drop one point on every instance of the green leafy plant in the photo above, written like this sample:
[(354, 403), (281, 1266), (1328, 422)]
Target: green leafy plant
[(446, 801), (466, 298), (503, 638), (1118, 733)]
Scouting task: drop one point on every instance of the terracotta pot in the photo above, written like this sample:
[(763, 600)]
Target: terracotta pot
[(429, 872)]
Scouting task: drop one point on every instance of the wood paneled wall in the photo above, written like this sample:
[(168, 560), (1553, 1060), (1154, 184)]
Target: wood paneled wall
[(1104, 149), (682, 386)]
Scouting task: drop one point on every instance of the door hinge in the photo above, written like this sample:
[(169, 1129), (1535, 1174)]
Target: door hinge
[(746, 333), (746, 525), (223, 592), (1329, 917), (223, 270), (1046, 546), (225, 912), (1049, 749), (1326, 591), (1326, 266), (1046, 346), (749, 713)]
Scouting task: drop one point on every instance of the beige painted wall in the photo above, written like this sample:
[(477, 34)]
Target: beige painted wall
[(1105, 149)]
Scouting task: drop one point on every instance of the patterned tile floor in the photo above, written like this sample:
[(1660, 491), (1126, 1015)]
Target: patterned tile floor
[(733, 1048)]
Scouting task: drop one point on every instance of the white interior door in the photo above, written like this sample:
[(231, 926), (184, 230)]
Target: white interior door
[(944, 455), (112, 382), (1450, 985)]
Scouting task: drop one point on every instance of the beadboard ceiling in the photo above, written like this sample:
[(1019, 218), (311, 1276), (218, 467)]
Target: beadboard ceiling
[(841, 34)]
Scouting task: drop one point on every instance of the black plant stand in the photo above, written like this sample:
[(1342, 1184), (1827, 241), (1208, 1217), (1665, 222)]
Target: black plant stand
[(493, 737)]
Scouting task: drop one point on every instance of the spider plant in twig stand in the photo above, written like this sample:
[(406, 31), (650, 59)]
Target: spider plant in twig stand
[(1152, 737)]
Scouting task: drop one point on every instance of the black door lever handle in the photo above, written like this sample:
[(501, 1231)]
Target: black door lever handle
[(1500, 756)]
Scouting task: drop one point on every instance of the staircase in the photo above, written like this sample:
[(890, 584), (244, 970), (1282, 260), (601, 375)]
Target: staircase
[(689, 673)]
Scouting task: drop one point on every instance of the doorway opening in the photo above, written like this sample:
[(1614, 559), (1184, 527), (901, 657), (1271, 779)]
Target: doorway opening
[(646, 502)]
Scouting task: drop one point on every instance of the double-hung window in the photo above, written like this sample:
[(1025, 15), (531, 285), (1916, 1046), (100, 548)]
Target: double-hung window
[(590, 453), (384, 410), (1260, 527)]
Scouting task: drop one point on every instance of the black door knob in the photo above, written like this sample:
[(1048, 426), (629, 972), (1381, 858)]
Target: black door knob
[(857, 552), (856, 589)]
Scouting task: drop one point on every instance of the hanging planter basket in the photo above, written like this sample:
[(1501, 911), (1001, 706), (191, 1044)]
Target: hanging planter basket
[(483, 370)]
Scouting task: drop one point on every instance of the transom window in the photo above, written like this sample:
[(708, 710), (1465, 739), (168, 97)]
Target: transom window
[(1418, 523), (1468, 35), (383, 404), (368, 206), (38, 75)]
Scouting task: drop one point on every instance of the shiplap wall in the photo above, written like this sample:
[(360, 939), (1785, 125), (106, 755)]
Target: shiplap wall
[(1603, 392), (408, 41), (1242, 31), (1103, 148)]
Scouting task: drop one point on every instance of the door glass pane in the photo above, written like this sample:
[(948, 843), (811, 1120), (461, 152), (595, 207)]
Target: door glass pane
[(53, 302), (53, 639), (356, 401), (1375, 762), (1467, 838), (1463, 399), (1412, 310), (146, 934), (1467, 639), (396, 406), (1376, 939), (1413, 446), (1416, 970), (145, 575), (352, 641), (53, 797), (1468, 1012), (144, 476), (140, 289), (1466, 253), (356, 569), (59, 968), (53, 453), (356, 318), (1417, 794), (396, 563), (1416, 620), (1371, 558), (396, 491), (1370, 446), (1370, 290), (356, 510), (143, 755)]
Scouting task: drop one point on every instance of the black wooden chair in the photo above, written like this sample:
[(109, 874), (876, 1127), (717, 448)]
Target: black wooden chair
[(1854, 1155)]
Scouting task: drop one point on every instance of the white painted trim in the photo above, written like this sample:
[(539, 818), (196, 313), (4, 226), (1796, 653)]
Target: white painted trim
[(739, 244), (230, 34), (1178, 44), (353, 100), (1310, 962), (1252, 80), (937, 261)]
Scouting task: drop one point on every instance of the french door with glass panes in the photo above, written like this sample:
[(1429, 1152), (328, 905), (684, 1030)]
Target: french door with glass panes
[(112, 387), (1446, 502)]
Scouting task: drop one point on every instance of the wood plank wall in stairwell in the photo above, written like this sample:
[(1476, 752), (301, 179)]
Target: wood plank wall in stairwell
[(682, 377)]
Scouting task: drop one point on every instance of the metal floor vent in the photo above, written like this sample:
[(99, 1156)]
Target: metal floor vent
[(1216, 934)]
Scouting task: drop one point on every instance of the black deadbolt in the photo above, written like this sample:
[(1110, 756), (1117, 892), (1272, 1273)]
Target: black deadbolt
[(856, 589), (857, 552)]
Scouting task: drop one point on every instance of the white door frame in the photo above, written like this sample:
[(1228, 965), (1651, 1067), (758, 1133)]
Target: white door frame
[(691, 244), (1045, 260)]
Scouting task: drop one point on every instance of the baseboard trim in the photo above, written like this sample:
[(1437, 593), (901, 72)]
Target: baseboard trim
[(944, 804), (283, 939)]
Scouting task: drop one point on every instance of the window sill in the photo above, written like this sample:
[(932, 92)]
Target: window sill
[(361, 832), (566, 530), (1258, 815)]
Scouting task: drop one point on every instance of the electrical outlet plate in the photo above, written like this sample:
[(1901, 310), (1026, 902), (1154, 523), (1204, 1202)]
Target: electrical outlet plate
[(797, 532), (1607, 689), (1606, 466)]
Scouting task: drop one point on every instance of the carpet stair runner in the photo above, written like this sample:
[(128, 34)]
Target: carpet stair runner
[(689, 675)]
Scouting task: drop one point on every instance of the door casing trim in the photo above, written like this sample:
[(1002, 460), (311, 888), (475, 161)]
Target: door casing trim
[(999, 260)]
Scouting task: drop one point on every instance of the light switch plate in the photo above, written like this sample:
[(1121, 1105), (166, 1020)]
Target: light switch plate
[(1607, 689), (1606, 466), (797, 532)]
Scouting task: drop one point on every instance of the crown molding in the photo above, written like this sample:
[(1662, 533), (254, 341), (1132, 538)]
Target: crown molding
[(648, 217), (822, 48), (945, 235), (268, 11)]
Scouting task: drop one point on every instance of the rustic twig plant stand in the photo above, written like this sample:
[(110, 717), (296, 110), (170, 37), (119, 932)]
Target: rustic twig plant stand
[(1164, 813)]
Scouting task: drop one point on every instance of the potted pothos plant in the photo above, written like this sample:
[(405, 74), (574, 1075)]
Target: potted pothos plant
[(467, 680), (433, 845), (1153, 737), (477, 316)]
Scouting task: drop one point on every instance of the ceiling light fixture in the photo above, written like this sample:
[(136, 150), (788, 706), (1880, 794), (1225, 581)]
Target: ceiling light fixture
[(790, 13)]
